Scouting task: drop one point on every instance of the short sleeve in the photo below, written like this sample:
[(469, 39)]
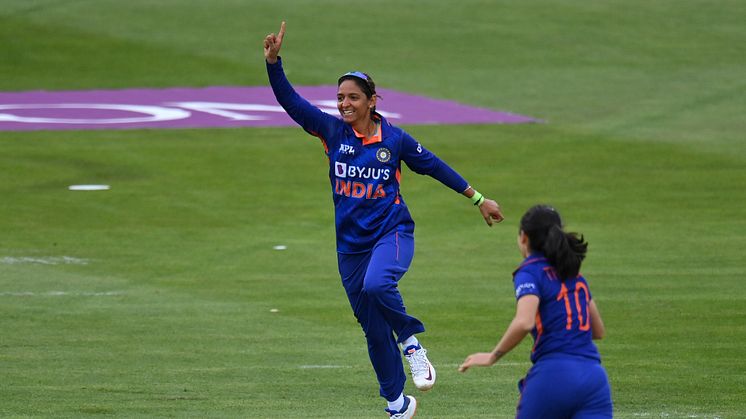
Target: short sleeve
[(525, 284)]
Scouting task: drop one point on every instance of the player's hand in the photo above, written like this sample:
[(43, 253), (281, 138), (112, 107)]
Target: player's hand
[(491, 212), (480, 359), (272, 44)]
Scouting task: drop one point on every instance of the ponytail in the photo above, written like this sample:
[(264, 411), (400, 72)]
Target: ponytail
[(564, 251)]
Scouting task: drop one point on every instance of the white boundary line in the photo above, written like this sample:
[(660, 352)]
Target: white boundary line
[(43, 260), (60, 293), (332, 366)]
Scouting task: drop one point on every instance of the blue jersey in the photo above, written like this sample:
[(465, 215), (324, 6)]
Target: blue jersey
[(563, 324), (364, 174)]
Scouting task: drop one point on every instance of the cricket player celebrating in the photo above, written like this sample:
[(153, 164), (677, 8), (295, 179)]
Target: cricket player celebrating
[(375, 232)]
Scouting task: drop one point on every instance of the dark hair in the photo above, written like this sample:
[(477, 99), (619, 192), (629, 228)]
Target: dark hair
[(364, 82), (565, 251)]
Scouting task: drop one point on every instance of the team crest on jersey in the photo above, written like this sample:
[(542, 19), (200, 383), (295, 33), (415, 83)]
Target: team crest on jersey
[(383, 154)]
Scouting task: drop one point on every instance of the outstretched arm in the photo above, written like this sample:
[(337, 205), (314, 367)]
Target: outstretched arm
[(422, 161), (523, 322), (272, 45), (490, 209)]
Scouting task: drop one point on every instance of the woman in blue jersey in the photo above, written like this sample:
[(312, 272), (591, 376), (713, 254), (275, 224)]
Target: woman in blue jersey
[(375, 232), (555, 306)]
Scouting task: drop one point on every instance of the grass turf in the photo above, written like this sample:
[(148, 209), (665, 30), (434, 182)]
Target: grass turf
[(165, 310)]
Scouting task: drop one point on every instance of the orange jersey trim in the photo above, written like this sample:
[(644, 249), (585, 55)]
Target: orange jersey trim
[(539, 331), (398, 180), (323, 141), (376, 138)]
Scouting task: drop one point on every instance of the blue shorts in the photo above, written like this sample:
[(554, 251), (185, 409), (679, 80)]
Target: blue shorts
[(565, 387)]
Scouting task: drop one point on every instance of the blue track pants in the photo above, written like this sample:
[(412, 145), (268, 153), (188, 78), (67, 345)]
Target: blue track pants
[(565, 387), (370, 280)]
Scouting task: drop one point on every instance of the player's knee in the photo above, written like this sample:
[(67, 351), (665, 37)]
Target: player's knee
[(376, 289)]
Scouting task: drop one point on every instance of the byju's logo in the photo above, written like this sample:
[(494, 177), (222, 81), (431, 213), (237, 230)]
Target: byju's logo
[(346, 149), (340, 169), (343, 170)]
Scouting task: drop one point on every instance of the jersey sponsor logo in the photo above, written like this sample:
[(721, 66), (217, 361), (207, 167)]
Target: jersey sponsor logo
[(383, 155), (526, 288), (347, 149), (344, 170), (340, 169), (359, 189)]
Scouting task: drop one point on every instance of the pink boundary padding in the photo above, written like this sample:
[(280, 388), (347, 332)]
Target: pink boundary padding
[(212, 107)]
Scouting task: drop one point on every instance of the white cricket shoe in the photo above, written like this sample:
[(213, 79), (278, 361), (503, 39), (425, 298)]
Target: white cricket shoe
[(423, 373), (406, 412)]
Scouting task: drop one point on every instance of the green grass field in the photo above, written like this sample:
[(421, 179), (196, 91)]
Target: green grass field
[(164, 297)]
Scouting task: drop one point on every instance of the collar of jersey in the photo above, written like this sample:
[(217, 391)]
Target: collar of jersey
[(377, 138), (532, 258)]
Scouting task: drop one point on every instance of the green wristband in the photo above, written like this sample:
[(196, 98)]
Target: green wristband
[(477, 198)]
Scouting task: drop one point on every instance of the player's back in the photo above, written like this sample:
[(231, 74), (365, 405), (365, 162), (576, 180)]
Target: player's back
[(563, 325)]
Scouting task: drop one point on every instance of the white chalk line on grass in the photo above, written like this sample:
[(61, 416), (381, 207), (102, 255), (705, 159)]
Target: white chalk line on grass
[(60, 293), (323, 367), (332, 366), (44, 260)]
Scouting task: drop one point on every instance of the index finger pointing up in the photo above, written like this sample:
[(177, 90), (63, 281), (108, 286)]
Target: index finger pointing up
[(282, 32)]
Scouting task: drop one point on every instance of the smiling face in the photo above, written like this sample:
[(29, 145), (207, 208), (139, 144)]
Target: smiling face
[(353, 104)]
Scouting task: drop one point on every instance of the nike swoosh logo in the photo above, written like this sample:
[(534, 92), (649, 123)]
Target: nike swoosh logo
[(429, 374)]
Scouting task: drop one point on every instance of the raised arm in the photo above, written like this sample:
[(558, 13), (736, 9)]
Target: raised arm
[(272, 45), (308, 116)]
